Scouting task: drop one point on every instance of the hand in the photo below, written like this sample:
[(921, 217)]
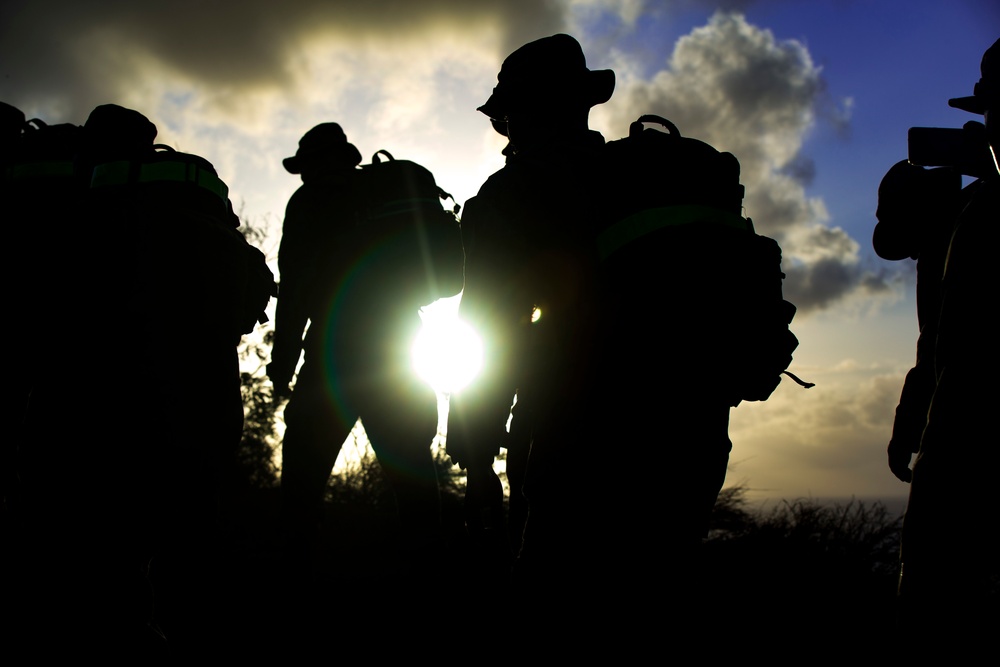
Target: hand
[(899, 461)]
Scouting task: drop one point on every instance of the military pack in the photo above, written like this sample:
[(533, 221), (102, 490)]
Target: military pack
[(402, 225), (164, 221), (675, 236)]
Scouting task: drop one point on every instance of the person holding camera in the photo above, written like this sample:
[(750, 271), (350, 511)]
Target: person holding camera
[(950, 561), (917, 211)]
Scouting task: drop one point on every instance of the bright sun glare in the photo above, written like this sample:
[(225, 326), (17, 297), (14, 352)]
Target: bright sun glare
[(447, 353)]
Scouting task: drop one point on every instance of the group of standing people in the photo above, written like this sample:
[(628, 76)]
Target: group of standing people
[(129, 258), (564, 380), (585, 543), (587, 361)]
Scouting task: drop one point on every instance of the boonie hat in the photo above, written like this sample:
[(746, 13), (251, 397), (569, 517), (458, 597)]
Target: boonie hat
[(986, 93), (550, 69), (326, 140)]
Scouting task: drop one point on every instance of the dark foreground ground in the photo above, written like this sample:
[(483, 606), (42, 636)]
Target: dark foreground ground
[(779, 590), (803, 583)]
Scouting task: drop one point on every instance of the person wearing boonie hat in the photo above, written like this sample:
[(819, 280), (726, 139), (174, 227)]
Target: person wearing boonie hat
[(949, 580), (324, 160), (331, 281), (528, 237)]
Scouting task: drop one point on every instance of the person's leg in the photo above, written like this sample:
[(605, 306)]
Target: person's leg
[(401, 422), (315, 430)]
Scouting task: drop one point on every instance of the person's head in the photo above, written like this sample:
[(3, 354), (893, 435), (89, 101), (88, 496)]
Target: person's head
[(985, 99), (546, 84), (324, 148), (911, 201), (114, 132)]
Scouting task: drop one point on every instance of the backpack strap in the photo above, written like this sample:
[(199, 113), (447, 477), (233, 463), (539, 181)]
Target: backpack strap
[(178, 167), (404, 205)]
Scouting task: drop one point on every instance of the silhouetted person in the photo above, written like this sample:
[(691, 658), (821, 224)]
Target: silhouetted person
[(917, 211), (950, 559), (529, 248), (135, 409), (621, 379), (362, 320)]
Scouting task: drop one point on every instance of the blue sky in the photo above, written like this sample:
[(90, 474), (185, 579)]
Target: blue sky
[(814, 97)]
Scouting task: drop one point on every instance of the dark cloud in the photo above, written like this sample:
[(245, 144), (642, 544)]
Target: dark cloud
[(801, 168), (73, 55), (824, 282)]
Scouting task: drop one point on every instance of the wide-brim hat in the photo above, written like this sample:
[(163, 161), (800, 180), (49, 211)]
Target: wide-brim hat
[(547, 71), (327, 142), (986, 93)]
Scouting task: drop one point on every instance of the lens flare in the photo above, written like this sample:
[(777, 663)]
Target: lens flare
[(447, 353)]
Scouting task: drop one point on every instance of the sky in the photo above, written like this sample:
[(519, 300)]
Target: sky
[(814, 97)]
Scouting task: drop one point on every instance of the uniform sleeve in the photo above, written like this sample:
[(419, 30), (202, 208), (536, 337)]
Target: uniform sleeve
[(495, 304), (291, 312)]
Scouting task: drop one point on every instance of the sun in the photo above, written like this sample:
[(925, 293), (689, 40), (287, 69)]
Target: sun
[(447, 353)]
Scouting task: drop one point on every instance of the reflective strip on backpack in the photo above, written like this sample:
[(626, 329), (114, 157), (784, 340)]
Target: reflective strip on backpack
[(650, 220), (183, 171), (118, 173), (110, 173)]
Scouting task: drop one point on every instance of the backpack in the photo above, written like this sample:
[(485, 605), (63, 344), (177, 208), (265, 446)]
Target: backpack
[(674, 232), (43, 186), (404, 230), (168, 228)]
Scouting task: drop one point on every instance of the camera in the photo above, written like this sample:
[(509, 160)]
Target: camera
[(965, 149)]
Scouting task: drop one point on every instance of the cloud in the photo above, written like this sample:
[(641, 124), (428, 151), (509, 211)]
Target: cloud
[(837, 431), (76, 55), (739, 88)]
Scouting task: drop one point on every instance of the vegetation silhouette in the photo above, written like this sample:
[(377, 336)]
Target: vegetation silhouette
[(807, 569), (797, 571)]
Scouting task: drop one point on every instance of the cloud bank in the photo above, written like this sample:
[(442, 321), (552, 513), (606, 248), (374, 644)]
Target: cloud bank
[(76, 55)]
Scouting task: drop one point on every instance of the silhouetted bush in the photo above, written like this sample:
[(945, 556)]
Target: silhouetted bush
[(805, 565), (256, 466)]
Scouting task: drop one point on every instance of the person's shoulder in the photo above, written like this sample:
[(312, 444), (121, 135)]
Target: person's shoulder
[(301, 195), (317, 199), (498, 183)]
